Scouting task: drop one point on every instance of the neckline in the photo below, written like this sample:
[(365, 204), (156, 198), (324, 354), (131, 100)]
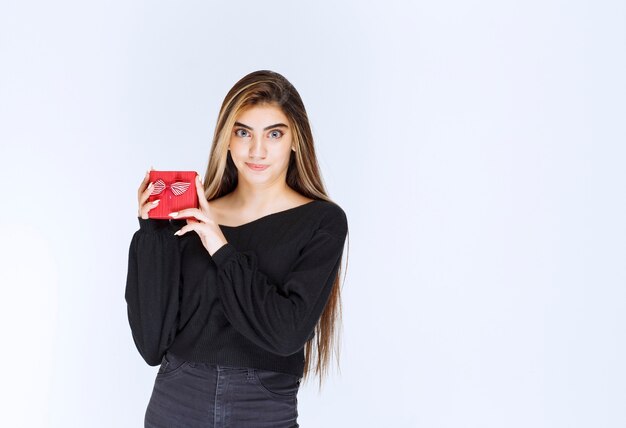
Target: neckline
[(269, 215)]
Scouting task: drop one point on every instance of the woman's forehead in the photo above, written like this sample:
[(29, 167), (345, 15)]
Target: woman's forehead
[(261, 113)]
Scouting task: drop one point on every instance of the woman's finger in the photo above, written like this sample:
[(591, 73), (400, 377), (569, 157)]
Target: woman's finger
[(189, 227), (190, 212), (143, 184), (146, 194), (204, 204), (145, 208)]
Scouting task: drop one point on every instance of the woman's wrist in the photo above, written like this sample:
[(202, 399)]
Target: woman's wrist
[(216, 246)]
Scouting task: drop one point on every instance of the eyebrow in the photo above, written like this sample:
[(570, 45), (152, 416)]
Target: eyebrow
[(277, 125)]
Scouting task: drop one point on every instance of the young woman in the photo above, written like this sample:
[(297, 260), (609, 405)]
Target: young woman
[(239, 302)]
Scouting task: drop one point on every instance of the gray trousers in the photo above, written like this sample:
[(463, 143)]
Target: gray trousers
[(189, 394)]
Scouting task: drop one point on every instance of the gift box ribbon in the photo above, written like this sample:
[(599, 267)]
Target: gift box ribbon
[(177, 188)]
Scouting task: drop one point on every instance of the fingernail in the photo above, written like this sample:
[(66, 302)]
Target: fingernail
[(155, 202), (150, 185), (174, 214)]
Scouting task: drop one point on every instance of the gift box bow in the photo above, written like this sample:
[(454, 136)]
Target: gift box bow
[(177, 188)]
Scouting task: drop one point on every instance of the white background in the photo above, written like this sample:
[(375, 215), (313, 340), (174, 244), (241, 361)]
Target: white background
[(478, 149)]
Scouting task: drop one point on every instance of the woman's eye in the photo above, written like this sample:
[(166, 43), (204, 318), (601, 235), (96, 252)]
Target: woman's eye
[(239, 132), (276, 134)]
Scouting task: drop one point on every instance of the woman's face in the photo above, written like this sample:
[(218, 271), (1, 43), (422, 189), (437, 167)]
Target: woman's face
[(260, 144)]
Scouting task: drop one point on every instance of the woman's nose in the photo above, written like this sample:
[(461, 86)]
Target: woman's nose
[(257, 149)]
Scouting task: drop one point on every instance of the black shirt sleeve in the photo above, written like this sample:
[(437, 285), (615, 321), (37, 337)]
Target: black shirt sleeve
[(281, 320), (153, 288)]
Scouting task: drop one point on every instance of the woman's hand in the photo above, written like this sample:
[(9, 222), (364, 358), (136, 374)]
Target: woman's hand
[(143, 193), (202, 222)]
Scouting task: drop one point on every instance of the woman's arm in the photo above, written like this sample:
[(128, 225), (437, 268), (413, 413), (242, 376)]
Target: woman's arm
[(281, 320), (153, 288)]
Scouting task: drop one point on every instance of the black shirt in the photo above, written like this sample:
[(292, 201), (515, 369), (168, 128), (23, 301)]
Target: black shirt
[(254, 303)]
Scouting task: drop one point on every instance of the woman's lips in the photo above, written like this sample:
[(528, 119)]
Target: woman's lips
[(256, 166)]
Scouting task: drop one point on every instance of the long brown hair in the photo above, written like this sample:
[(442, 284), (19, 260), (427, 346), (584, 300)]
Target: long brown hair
[(303, 175)]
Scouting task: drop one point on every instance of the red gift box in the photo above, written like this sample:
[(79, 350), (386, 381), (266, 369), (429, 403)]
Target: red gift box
[(176, 190)]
